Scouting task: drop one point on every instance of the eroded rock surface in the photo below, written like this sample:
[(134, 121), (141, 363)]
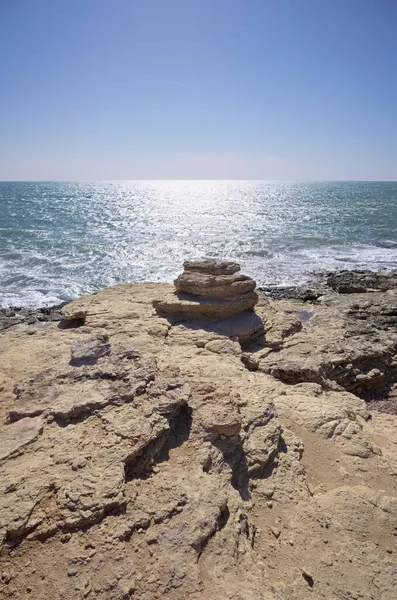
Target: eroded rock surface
[(9, 317), (151, 456), (344, 341)]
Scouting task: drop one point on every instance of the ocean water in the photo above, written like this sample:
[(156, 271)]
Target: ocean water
[(60, 240)]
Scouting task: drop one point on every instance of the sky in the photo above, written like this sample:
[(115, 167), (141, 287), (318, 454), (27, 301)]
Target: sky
[(198, 89)]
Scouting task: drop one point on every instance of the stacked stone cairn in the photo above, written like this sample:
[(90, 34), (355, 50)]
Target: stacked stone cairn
[(217, 291)]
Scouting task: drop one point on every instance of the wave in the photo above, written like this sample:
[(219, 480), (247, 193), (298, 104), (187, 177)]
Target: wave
[(63, 240), (278, 269)]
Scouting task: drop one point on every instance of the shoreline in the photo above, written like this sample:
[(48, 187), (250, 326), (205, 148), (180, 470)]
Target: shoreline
[(345, 281)]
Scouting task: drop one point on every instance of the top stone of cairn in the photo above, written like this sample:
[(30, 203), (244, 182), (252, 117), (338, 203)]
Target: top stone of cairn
[(211, 267)]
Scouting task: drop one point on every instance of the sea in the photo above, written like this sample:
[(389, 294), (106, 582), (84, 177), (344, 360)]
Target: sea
[(59, 240)]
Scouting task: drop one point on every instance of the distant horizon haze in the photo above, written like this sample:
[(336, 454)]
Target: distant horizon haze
[(199, 180)]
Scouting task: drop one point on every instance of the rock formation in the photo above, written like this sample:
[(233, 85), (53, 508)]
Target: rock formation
[(217, 291), (210, 288), (153, 455)]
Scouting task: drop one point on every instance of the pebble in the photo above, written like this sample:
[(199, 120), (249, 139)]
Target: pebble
[(307, 576), (128, 587), (152, 539), (6, 577), (276, 532), (89, 545), (267, 491), (72, 573)]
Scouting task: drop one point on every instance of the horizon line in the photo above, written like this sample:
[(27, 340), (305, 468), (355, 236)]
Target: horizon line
[(200, 179)]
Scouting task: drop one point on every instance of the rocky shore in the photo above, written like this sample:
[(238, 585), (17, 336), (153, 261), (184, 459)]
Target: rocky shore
[(205, 440)]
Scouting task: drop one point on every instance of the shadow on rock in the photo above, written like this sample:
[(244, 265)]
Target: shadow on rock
[(234, 456), (158, 450)]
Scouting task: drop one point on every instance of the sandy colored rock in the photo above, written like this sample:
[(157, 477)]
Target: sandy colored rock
[(340, 416), (15, 437), (187, 306), (165, 468), (209, 289), (219, 418), (214, 286), (79, 390), (224, 347), (211, 267), (90, 349)]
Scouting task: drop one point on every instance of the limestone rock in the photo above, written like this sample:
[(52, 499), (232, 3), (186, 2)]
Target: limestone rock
[(81, 390), (224, 347), (340, 416), (211, 267), (16, 436), (352, 282), (72, 316), (262, 435), (159, 466), (219, 418), (84, 484), (209, 289), (90, 349), (9, 317), (214, 286), (184, 306)]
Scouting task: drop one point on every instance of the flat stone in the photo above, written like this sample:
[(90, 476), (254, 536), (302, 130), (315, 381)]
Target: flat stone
[(113, 379), (182, 306), (214, 286), (16, 436), (224, 346), (212, 267), (92, 348)]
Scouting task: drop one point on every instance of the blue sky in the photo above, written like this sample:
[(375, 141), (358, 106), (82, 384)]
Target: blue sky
[(164, 89)]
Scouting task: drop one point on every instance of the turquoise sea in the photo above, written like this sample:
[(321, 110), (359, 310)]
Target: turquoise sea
[(59, 240)]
